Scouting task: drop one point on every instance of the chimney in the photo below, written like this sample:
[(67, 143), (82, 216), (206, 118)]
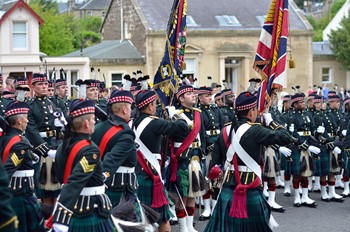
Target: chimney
[(71, 5)]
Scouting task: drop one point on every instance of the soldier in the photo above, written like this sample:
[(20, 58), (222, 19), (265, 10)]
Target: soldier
[(117, 146), (228, 105), (310, 103), (18, 159), (62, 91), (241, 205), (218, 100), (44, 132), (186, 176), (103, 95), (302, 127), (22, 90), (1, 84), (83, 204), (213, 120), (149, 130), (50, 89), (346, 173)]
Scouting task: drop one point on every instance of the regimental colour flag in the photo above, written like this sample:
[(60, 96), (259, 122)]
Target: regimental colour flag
[(166, 79), (270, 60)]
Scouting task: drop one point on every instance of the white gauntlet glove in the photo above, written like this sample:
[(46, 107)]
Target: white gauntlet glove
[(52, 153), (285, 151), (60, 121), (337, 150), (267, 118), (291, 128), (59, 227), (171, 111), (344, 132), (314, 149), (320, 129)]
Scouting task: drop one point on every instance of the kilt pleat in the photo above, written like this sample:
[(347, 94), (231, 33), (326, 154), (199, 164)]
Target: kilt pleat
[(92, 223), (257, 208)]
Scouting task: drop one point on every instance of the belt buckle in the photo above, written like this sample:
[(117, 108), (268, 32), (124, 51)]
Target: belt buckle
[(213, 132), (50, 133), (195, 145)]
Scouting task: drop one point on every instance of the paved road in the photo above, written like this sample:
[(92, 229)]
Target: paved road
[(327, 217)]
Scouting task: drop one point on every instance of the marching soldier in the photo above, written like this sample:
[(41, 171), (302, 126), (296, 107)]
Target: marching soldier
[(83, 204), (228, 105), (62, 91), (22, 90), (43, 131), (117, 146), (18, 159), (186, 176), (241, 205), (213, 120), (50, 89), (149, 130)]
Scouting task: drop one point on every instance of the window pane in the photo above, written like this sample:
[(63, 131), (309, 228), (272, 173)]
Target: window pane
[(190, 66), (117, 79), (19, 35), (19, 41), (19, 27)]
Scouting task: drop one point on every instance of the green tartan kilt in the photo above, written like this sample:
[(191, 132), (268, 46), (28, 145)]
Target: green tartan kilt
[(145, 193), (29, 213), (321, 163), (283, 163), (346, 165), (257, 208), (114, 196), (92, 223), (295, 164)]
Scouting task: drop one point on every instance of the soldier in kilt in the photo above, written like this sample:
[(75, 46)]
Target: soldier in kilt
[(213, 120), (346, 173), (118, 151), (149, 131), (18, 159), (302, 128), (241, 205), (62, 91), (186, 176), (83, 205), (44, 135), (228, 105)]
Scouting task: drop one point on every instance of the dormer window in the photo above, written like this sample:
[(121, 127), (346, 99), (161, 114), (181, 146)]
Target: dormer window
[(227, 21), (19, 35)]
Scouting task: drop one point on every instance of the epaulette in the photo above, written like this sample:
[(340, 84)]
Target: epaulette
[(254, 123), (179, 111), (197, 109), (227, 124), (154, 117)]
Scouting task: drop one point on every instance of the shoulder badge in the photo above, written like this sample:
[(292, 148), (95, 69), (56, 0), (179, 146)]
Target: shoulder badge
[(254, 123), (86, 166), (15, 160), (179, 111), (227, 124), (154, 117), (197, 109)]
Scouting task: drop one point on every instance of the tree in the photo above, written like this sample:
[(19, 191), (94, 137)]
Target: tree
[(340, 41)]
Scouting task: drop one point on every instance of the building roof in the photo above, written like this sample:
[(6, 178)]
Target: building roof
[(95, 5), (110, 50), (322, 48), (62, 7), (211, 15), (8, 7)]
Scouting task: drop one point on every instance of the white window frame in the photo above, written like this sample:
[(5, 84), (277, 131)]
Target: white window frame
[(20, 33), (227, 21), (330, 75), (117, 82)]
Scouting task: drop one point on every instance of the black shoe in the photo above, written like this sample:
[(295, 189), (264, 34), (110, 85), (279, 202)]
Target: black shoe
[(340, 200), (173, 222), (203, 218), (287, 194), (312, 205), (280, 187), (280, 210), (197, 206), (325, 199), (344, 196), (297, 205), (316, 191)]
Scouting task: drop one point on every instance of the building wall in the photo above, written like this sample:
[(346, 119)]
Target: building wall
[(339, 74), (132, 25)]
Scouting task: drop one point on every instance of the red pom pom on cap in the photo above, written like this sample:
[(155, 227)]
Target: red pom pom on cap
[(247, 94), (214, 172)]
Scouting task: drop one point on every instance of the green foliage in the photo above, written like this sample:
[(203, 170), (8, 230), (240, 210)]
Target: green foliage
[(321, 24), (63, 33), (339, 40)]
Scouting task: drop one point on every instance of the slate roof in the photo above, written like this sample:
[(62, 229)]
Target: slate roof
[(110, 50), (322, 48), (7, 5), (95, 5), (204, 11)]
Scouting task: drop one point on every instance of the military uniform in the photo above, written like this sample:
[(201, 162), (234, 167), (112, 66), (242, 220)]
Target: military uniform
[(257, 210), (82, 205)]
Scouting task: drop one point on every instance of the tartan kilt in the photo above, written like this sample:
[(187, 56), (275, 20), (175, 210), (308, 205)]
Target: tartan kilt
[(322, 167), (257, 208), (92, 223), (283, 163), (145, 193), (346, 165), (114, 196), (271, 166), (29, 213)]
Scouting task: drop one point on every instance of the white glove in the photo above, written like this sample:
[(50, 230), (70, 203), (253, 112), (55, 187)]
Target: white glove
[(171, 110), (285, 151), (314, 149), (267, 118), (337, 150), (60, 122), (344, 132), (291, 128), (35, 158), (320, 129), (52, 153), (60, 228)]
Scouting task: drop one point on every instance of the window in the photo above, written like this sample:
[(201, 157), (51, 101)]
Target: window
[(227, 20), (88, 13), (19, 35), (73, 78), (117, 79), (326, 75)]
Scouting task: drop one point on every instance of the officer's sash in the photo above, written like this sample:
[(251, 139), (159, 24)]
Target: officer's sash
[(8, 147), (185, 144), (72, 154), (107, 136)]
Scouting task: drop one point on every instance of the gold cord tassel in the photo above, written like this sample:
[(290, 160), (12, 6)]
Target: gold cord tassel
[(291, 61)]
